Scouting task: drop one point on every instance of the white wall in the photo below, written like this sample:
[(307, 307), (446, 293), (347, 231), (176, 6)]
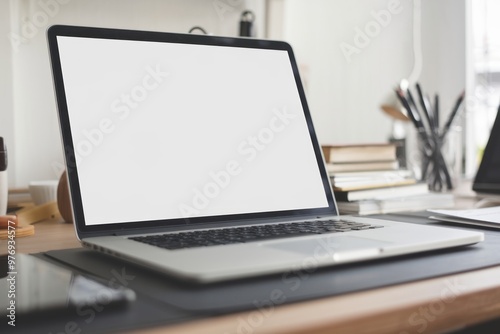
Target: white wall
[(6, 89), (28, 112), (345, 93), (444, 56)]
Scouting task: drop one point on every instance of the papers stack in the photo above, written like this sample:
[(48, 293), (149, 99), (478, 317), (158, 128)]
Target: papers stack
[(489, 217)]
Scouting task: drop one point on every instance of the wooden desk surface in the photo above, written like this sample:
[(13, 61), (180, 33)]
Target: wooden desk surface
[(428, 306)]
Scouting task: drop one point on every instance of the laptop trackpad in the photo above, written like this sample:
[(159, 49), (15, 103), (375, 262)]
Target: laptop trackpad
[(329, 245)]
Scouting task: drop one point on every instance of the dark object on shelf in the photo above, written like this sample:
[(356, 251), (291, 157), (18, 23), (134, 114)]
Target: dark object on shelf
[(193, 29), (246, 23)]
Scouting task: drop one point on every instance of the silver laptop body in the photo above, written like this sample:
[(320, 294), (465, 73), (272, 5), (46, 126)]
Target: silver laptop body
[(166, 133)]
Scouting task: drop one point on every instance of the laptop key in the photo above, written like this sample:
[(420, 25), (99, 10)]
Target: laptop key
[(260, 238), (245, 234)]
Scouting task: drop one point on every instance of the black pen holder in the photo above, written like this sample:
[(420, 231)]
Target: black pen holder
[(440, 158), (438, 166)]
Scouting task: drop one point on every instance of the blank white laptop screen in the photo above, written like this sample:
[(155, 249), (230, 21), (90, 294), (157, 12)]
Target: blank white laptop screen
[(167, 130)]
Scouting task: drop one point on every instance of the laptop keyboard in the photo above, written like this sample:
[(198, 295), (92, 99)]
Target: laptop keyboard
[(234, 235)]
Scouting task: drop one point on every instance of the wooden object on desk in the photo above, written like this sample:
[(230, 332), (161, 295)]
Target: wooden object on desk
[(34, 214), (63, 199), (26, 217), (8, 220), (21, 231), (10, 228), (51, 234)]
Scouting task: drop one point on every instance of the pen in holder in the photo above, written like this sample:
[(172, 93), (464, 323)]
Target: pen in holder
[(431, 139), (434, 167)]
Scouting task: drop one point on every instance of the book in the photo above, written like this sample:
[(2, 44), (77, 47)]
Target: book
[(359, 152), (373, 179), (362, 166), (371, 184), (400, 204), (382, 193), (372, 174)]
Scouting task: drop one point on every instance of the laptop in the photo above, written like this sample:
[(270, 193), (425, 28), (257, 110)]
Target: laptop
[(196, 156), (487, 180)]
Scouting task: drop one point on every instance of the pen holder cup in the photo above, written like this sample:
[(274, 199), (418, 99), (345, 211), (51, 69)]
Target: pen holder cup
[(440, 163)]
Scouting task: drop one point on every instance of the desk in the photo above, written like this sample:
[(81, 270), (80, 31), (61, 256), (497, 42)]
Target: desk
[(419, 307)]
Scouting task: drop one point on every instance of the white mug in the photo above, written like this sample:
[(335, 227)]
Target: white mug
[(43, 191)]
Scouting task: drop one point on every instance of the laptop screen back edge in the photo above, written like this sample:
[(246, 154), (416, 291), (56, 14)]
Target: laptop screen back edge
[(487, 178), (228, 135)]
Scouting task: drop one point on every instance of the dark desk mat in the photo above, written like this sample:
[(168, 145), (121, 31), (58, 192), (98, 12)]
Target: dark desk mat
[(177, 301)]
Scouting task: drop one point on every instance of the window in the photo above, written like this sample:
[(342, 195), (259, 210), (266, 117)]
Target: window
[(483, 75)]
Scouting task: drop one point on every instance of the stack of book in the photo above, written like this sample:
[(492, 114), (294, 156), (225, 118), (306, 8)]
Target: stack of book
[(360, 157), (366, 179)]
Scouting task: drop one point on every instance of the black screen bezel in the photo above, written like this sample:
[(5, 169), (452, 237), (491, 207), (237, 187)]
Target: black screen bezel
[(84, 230)]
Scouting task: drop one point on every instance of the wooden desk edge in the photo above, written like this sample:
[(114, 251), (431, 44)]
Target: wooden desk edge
[(426, 306)]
